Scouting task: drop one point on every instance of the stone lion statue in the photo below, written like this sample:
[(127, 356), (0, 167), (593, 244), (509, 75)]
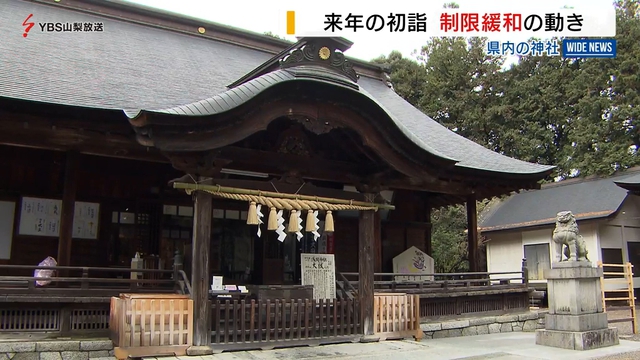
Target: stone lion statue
[(566, 234)]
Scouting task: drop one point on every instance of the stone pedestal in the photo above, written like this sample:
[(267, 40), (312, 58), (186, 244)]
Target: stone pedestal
[(576, 319)]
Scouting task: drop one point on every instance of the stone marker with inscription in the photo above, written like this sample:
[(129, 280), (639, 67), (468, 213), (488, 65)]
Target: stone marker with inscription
[(319, 270), (415, 262)]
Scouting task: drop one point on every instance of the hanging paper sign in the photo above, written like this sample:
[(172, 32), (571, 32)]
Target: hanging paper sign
[(259, 212), (280, 231), (315, 233), (299, 232)]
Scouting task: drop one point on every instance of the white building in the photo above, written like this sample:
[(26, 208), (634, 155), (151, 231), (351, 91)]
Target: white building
[(607, 211)]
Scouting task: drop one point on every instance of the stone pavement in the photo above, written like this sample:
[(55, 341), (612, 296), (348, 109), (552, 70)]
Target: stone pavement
[(503, 346)]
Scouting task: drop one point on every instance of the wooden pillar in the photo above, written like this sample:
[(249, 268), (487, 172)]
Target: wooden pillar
[(68, 209), (366, 258), (377, 242), (472, 232), (200, 270), (428, 248)]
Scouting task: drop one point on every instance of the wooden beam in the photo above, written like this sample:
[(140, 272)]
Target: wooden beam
[(437, 186), (227, 190), (83, 141), (366, 258), (270, 163), (68, 209), (200, 268), (311, 168), (472, 232), (99, 121), (279, 186)]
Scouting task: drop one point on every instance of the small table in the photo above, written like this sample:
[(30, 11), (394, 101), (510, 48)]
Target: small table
[(226, 294)]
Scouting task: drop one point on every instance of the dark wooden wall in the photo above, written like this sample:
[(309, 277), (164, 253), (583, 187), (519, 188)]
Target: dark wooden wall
[(404, 228), (116, 183), (346, 244), (108, 181)]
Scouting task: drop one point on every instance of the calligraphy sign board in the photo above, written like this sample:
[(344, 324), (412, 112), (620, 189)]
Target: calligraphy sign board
[(415, 262), (85, 220), (319, 270), (41, 217)]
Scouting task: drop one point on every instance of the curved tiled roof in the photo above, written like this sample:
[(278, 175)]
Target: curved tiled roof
[(631, 183), (132, 66), (416, 126)]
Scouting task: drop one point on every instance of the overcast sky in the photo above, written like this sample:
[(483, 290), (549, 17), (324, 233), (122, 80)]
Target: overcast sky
[(263, 16)]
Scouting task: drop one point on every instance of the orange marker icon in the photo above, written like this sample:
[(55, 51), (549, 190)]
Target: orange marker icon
[(291, 22)]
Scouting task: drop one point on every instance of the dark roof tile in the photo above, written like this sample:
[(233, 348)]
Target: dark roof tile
[(132, 66), (587, 199), (631, 180)]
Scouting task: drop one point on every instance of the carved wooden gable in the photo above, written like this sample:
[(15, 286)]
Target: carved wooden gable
[(294, 141), (326, 52)]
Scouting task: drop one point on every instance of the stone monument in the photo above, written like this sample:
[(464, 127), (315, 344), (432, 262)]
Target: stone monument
[(576, 319)]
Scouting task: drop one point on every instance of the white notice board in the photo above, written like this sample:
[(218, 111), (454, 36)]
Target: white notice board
[(85, 220), (319, 270), (41, 217)]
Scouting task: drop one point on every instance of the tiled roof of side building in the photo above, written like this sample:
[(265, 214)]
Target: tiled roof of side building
[(586, 198), (628, 182), (133, 66)]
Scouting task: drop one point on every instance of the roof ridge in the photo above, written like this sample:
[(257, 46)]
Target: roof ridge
[(139, 14), (590, 178)]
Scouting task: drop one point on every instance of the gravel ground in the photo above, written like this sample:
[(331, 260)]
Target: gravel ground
[(625, 331), (628, 356)]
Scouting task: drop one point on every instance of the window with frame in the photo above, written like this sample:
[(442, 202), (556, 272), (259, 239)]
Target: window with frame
[(128, 229), (611, 256), (634, 255)]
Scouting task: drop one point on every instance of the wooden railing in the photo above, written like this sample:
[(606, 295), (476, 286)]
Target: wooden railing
[(418, 283), (238, 325), (454, 294), (76, 304), (344, 287), (89, 281)]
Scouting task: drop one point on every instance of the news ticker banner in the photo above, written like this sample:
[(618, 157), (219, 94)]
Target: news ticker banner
[(586, 20), (568, 48), (501, 24)]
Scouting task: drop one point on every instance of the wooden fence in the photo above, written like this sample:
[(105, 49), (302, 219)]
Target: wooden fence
[(503, 301), (265, 324), (455, 294), (396, 316), (443, 282), (39, 320), (151, 324), (76, 304), (88, 281)]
